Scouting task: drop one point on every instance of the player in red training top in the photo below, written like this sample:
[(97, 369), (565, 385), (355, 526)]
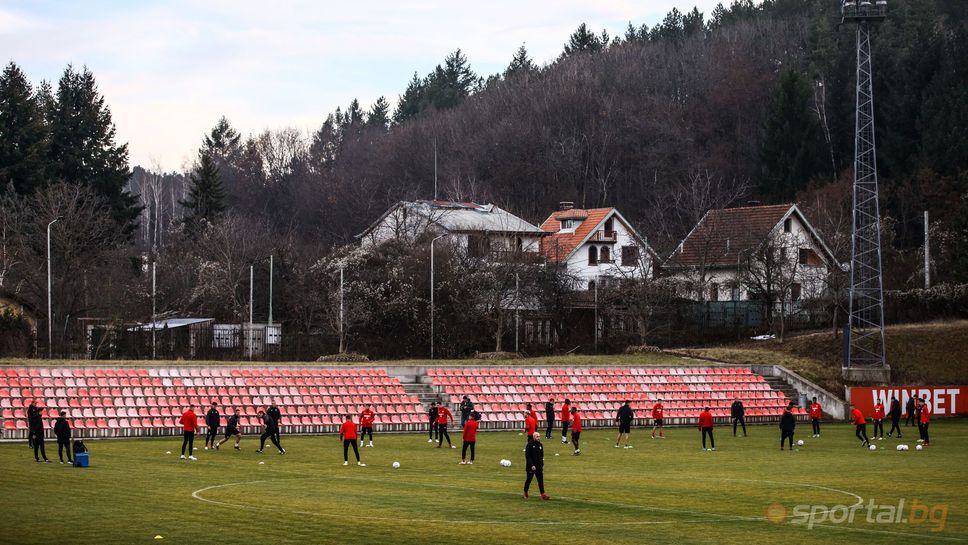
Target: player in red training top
[(443, 416), (860, 424), (470, 437), (576, 430), (879, 420), (565, 420), (925, 420), (189, 424), (367, 416), (706, 427), (530, 424), (657, 419), (347, 434), (816, 411)]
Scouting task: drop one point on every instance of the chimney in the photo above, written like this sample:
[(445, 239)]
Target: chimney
[(566, 205)]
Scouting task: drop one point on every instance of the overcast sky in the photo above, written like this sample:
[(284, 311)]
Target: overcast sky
[(170, 69)]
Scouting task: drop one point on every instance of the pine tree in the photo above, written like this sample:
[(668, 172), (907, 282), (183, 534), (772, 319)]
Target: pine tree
[(582, 41), (635, 34), (521, 64), (411, 102), (791, 152), (23, 134), (379, 114), (223, 142), (82, 147), (206, 195)]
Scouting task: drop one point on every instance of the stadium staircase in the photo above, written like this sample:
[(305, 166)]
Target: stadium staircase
[(105, 401)]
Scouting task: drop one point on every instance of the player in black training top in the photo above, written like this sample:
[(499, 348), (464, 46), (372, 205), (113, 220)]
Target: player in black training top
[(624, 417)]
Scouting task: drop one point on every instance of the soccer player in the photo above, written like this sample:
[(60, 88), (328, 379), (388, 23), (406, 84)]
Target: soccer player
[(470, 437), (189, 424), (550, 416), (347, 434), (917, 417), (912, 405), (565, 420), (738, 413), (534, 466), (879, 420), (366, 424), (62, 430), (706, 427), (576, 430), (443, 416), (270, 431), (816, 411), (432, 417), (788, 423), (213, 420), (530, 423), (657, 419), (232, 430), (624, 417), (925, 420), (860, 424), (533, 414), (895, 414), (466, 406), (35, 425), (276, 415)]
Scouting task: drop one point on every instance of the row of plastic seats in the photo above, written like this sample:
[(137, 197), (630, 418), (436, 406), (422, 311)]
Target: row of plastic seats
[(201, 371)]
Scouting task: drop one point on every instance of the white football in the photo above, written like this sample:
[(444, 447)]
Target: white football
[(556, 454), (919, 447), (800, 443), (396, 465), (507, 463), (262, 463), (168, 452), (906, 447), (873, 447), (900, 447)]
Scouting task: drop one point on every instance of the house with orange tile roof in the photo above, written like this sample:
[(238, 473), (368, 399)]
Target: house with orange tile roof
[(713, 255), (597, 245)]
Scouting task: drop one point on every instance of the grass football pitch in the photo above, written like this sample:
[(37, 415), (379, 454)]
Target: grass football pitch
[(660, 491)]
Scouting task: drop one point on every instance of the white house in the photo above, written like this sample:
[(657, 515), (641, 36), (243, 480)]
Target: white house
[(712, 255), (482, 230), (596, 245)]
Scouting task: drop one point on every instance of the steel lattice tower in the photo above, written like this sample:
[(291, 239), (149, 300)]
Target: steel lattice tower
[(865, 336)]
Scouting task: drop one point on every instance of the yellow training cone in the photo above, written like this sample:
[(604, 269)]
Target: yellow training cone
[(159, 537)]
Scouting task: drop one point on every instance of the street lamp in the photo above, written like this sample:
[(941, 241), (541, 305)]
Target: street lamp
[(50, 320), (432, 293)]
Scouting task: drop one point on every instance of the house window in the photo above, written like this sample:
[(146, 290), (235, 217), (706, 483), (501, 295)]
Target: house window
[(630, 256), (734, 292), (591, 285), (605, 256), (714, 292), (592, 255), (478, 245), (795, 292), (519, 244), (609, 225), (788, 225)]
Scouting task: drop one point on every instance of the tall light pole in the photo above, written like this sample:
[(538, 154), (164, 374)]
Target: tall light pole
[(865, 334), (432, 293), (251, 294), (50, 319), (154, 319), (342, 344), (517, 311), (270, 289)]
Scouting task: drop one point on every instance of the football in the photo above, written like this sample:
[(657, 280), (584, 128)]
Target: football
[(919, 447), (873, 447), (900, 447), (396, 465), (800, 443)]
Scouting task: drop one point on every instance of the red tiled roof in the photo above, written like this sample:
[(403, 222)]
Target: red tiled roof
[(723, 234), (558, 246)]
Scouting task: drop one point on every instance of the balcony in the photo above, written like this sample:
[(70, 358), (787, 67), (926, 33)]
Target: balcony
[(603, 236)]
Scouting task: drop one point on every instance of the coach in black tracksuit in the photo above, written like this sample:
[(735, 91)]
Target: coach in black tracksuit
[(895, 417), (550, 416), (271, 432), (276, 415), (432, 419), (911, 409), (787, 424), (534, 465), (62, 430), (213, 420), (738, 412), (35, 425)]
